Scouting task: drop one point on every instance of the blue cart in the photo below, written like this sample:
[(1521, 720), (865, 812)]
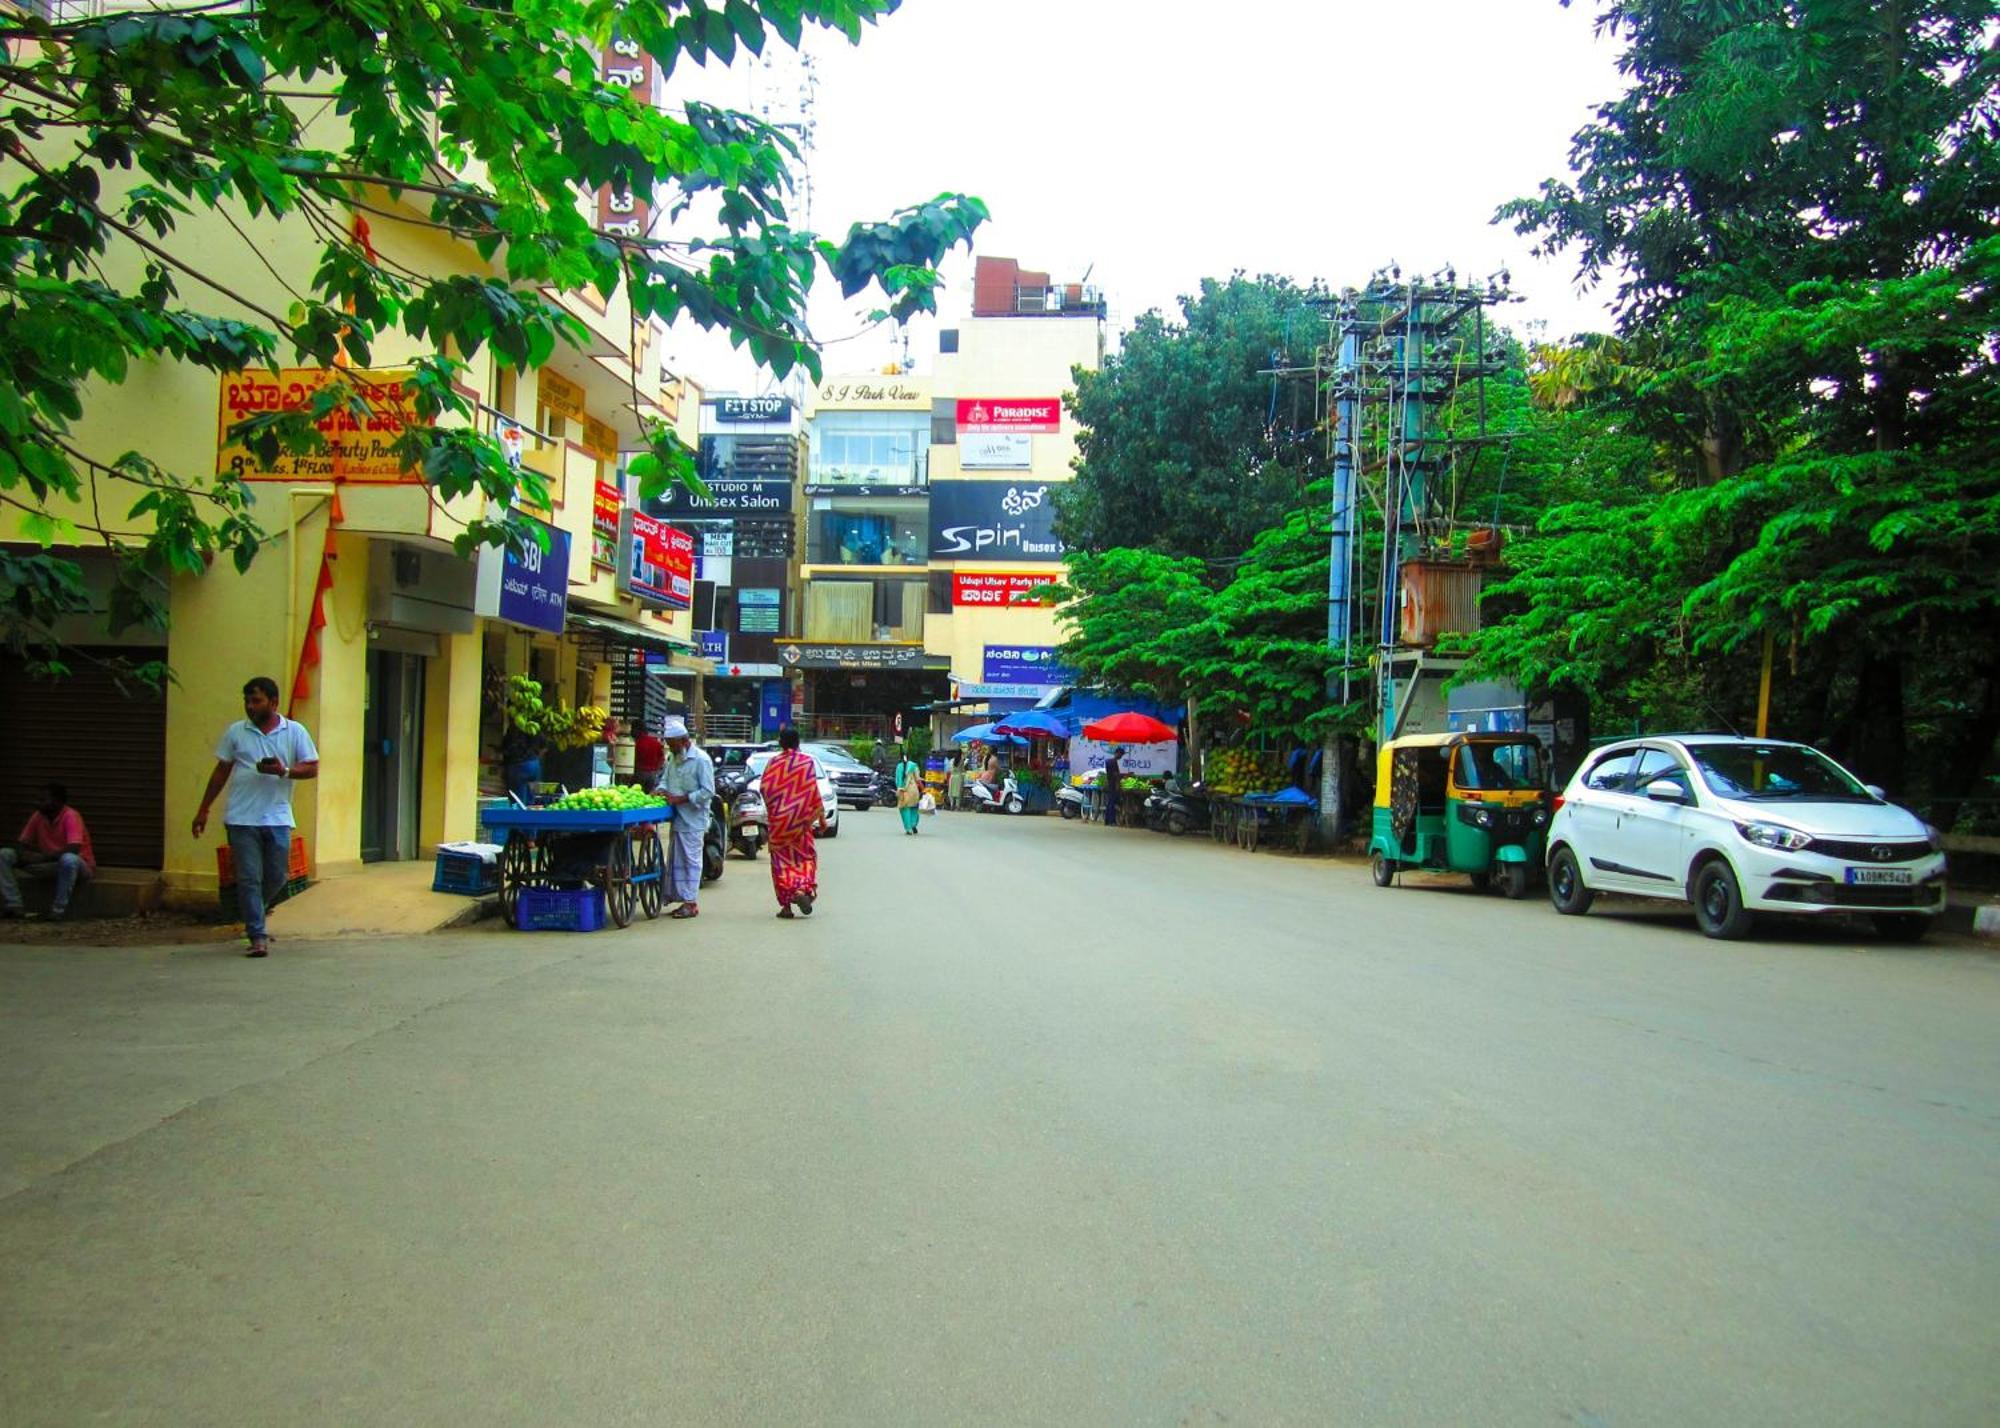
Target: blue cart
[(617, 850)]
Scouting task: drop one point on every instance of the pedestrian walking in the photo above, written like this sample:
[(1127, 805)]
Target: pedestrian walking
[(909, 792), (54, 843), (258, 760), (794, 815), (689, 785)]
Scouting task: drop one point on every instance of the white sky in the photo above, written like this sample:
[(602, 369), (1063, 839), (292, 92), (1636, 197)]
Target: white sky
[(1160, 143)]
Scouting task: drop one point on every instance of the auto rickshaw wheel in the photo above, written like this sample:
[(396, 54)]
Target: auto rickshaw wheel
[(1381, 869), (1481, 881), (1514, 880)]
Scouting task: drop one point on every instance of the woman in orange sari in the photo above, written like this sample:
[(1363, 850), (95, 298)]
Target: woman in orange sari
[(794, 814)]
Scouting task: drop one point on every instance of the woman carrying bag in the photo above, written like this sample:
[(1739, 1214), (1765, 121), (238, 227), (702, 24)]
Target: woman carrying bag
[(909, 791)]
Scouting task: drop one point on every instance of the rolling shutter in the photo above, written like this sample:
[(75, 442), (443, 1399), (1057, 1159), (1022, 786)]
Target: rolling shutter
[(106, 743)]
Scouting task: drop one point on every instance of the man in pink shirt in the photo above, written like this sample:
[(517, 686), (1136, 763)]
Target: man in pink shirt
[(54, 844)]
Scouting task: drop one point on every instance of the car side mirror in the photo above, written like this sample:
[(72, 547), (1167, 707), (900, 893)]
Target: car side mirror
[(1874, 790), (1665, 790)]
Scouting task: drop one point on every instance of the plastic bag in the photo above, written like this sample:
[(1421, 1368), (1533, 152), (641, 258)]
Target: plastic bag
[(928, 803)]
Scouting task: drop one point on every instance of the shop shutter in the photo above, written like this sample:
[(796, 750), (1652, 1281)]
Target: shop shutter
[(106, 742)]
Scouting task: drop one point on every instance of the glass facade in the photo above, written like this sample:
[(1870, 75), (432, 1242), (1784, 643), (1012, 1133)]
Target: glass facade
[(867, 530), (871, 448)]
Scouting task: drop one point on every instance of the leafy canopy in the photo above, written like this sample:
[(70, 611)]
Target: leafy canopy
[(483, 119)]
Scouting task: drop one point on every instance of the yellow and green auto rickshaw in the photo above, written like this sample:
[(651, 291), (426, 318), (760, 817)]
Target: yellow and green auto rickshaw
[(1461, 803)]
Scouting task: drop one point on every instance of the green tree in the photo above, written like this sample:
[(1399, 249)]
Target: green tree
[(1189, 445), (1798, 200), (491, 117)]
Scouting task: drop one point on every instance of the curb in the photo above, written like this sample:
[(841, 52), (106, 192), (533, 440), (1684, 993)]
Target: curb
[(1979, 919)]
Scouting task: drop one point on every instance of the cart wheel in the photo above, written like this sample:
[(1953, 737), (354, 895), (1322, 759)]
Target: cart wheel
[(618, 880), (517, 870), (651, 863)]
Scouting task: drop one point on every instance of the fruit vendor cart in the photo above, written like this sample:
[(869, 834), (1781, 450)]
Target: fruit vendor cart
[(615, 849)]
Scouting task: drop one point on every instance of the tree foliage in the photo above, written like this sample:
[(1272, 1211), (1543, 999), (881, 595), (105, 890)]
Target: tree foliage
[(490, 117), (1189, 444), (1798, 200)]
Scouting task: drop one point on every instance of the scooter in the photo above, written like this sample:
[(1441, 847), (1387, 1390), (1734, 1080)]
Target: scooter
[(982, 799), (747, 827), (1175, 810), (1069, 801)]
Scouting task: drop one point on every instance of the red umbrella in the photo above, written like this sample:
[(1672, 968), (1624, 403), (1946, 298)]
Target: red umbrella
[(1130, 727)]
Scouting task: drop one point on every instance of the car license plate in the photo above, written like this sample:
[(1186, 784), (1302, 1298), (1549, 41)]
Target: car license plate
[(1899, 876)]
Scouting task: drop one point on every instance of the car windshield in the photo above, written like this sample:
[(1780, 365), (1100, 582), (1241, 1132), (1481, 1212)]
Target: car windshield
[(1501, 766), (730, 756), (1776, 771), (835, 757)]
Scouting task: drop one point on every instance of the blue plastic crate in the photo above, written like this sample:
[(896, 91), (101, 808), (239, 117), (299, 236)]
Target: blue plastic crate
[(560, 910), (466, 873)]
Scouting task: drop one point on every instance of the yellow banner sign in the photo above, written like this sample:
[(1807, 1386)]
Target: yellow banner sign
[(560, 395), (357, 448), (599, 439)]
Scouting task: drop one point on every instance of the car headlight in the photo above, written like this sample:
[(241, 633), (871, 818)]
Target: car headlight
[(1935, 838), (1541, 816), (1774, 835)]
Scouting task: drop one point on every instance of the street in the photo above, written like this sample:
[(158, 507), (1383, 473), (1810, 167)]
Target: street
[(1031, 1122)]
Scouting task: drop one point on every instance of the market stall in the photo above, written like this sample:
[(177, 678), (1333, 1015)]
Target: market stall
[(614, 849)]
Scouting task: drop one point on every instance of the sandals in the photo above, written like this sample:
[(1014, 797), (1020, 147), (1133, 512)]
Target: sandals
[(686, 909), (805, 903), (786, 912)]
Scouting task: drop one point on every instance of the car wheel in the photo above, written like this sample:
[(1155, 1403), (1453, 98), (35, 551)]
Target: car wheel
[(1718, 902), (1380, 869), (1566, 890), (1901, 926), (1514, 881), (832, 829)]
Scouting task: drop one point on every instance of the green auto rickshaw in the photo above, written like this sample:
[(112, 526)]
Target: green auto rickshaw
[(1461, 803)]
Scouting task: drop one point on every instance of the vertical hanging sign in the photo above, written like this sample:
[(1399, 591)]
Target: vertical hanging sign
[(624, 65)]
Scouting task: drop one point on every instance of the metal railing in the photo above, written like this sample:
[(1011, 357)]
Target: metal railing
[(730, 728)]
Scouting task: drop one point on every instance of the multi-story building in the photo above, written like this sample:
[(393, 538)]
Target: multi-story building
[(1002, 444), (930, 518), (748, 537)]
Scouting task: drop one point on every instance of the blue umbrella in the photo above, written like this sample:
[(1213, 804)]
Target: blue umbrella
[(985, 734), (1033, 723)]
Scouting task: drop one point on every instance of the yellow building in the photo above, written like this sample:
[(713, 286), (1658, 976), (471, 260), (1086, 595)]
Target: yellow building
[(1002, 444), (382, 638)]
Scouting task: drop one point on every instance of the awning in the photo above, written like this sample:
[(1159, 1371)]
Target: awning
[(628, 632)]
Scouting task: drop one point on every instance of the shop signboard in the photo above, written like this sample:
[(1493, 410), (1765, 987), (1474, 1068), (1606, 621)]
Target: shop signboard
[(1025, 664), (529, 587), (560, 395), (863, 657), (727, 494), (996, 451), (714, 645), (873, 392), (993, 520), (1140, 760), (977, 589), (599, 439), (625, 64), (606, 502), (658, 568), (358, 448), (757, 611), (734, 410), (1009, 415)]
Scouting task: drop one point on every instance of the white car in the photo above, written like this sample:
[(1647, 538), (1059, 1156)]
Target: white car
[(828, 797), (1738, 827)]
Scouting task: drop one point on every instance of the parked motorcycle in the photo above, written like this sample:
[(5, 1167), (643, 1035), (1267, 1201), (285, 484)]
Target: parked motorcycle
[(983, 800), (748, 829), (1177, 810), (714, 843)]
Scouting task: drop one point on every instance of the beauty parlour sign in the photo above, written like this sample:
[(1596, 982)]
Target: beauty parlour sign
[(360, 446)]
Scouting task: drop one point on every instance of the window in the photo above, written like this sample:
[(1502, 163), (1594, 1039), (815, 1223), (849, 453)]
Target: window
[(944, 421), (1500, 766), (871, 449), (1612, 775), (1658, 764), (886, 611), (858, 530), (947, 339), (1775, 772)]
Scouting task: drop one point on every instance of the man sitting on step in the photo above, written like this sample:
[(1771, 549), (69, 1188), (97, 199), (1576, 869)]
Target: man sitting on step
[(53, 844)]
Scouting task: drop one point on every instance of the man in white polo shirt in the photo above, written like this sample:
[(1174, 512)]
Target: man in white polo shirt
[(258, 759)]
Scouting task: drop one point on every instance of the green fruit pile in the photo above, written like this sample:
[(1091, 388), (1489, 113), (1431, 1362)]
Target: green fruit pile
[(1234, 772), (609, 800)]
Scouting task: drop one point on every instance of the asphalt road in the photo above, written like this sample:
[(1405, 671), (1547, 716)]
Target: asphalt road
[(1031, 1123)]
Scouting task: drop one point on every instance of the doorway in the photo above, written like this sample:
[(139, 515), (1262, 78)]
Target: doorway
[(392, 761)]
